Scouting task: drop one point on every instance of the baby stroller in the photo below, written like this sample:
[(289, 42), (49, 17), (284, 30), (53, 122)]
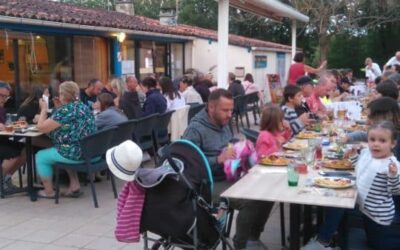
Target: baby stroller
[(179, 210)]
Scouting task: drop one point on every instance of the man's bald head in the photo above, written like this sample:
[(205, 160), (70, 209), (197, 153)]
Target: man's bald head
[(131, 83)]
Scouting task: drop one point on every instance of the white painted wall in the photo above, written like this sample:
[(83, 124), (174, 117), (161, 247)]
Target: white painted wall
[(202, 55), (205, 57)]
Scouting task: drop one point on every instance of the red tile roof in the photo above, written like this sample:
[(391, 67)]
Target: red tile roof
[(72, 14)]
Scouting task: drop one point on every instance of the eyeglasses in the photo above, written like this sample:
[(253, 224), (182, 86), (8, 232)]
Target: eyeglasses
[(4, 97)]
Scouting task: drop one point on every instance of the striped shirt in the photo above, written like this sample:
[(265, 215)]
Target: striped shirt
[(290, 115), (376, 186)]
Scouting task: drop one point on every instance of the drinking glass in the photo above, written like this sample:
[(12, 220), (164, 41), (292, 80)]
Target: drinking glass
[(292, 175)]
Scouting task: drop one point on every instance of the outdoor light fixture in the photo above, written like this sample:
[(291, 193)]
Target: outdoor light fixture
[(121, 37)]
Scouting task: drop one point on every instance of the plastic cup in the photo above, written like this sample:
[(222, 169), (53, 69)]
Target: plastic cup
[(292, 176)]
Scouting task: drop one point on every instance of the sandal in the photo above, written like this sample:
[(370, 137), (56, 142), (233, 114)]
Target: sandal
[(42, 194), (73, 194)]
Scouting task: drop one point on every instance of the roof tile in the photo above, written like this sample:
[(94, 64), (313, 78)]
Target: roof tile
[(68, 13)]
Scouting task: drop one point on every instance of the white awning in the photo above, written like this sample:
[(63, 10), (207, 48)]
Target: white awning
[(273, 9), (269, 8)]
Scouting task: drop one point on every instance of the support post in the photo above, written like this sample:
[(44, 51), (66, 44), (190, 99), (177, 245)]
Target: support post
[(116, 57), (223, 39), (294, 36)]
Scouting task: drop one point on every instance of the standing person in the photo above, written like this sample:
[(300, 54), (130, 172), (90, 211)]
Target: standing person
[(89, 95), (377, 174), (299, 69), (209, 130), (10, 151), (66, 127), (235, 86), (293, 98), (372, 70), (155, 101), (188, 92), (395, 60), (109, 114), (174, 99), (274, 131), (130, 101)]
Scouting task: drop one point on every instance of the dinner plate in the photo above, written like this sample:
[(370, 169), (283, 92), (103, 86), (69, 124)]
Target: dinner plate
[(342, 164), (280, 162), (307, 135), (294, 146), (333, 182), (32, 129)]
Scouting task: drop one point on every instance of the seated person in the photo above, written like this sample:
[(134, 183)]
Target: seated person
[(306, 85), (155, 101), (109, 114), (30, 107), (322, 89), (66, 127), (274, 131), (89, 94), (388, 88), (11, 152), (209, 129), (292, 98)]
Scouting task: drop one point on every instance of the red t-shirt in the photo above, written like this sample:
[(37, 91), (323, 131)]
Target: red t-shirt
[(296, 70)]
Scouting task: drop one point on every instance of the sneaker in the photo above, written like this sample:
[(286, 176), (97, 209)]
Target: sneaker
[(255, 245), (9, 187), (314, 244)]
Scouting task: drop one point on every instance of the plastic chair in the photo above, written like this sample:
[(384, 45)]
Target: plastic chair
[(143, 133), (94, 148), (240, 104), (253, 105), (194, 109), (161, 136), (124, 132)]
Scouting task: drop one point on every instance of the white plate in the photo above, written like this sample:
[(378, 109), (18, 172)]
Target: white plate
[(349, 182)]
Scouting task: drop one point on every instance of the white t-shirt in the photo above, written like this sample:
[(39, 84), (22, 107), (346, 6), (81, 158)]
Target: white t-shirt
[(393, 61), (176, 103), (373, 72)]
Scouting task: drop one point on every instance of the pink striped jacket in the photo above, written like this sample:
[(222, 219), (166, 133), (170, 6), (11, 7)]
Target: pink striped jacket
[(129, 211)]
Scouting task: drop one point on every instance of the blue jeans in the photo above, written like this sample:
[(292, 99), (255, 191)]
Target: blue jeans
[(46, 158), (381, 237), (332, 219)]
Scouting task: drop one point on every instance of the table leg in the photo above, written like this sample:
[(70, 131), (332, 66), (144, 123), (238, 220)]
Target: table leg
[(308, 222), (29, 168), (295, 226)]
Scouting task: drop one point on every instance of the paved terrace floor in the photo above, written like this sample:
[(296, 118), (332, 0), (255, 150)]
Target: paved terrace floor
[(76, 224)]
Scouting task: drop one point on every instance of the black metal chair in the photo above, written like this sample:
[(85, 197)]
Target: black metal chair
[(124, 132), (94, 148), (253, 105), (239, 109), (250, 134), (194, 109), (160, 131), (143, 133)]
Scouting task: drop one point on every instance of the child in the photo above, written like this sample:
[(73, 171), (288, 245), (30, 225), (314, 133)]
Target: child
[(292, 98), (274, 131), (377, 180)]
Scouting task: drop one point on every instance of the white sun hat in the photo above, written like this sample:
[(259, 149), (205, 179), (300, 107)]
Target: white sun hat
[(124, 159)]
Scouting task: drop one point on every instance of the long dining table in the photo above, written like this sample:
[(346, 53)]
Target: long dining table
[(269, 183), (27, 135)]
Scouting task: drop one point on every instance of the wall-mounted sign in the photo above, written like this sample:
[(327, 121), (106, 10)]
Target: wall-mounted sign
[(260, 62), (239, 72), (128, 67)]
